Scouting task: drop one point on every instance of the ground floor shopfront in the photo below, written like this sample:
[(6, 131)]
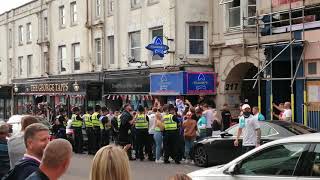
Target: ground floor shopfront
[(5, 102)]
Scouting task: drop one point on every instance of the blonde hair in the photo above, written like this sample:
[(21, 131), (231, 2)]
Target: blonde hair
[(180, 177), (110, 163)]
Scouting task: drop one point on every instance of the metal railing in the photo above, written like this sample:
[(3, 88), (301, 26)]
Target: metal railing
[(313, 119)]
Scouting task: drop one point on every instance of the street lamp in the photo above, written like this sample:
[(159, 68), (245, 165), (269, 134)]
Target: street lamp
[(76, 86), (15, 88)]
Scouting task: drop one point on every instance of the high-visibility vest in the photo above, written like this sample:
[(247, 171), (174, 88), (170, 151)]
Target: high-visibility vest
[(75, 122), (95, 120), (118, 121), (141, 122), (169, 124), (87, 120)]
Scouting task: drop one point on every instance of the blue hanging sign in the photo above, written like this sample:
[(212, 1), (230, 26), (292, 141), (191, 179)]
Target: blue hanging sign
[(201, 83), (157, 46), (167, 83)]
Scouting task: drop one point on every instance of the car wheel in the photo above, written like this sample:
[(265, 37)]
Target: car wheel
[(200, 156)]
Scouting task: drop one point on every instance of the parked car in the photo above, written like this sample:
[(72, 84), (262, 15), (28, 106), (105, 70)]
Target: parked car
[(220, 149), (292, 158)]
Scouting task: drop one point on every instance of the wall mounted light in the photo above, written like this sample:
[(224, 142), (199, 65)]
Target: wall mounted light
[(76, 86), (15, 88)]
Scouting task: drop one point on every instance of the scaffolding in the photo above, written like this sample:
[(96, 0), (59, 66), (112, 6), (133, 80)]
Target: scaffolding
[(277, 19)]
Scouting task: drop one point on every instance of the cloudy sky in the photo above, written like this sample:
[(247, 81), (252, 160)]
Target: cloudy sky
[(10, 4)]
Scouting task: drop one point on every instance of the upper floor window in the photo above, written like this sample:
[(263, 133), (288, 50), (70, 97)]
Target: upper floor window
[(20, 34), (98, 47), (62, 18), (197, 39), (76, 56), (29, 32), (29, 65), (312, 68), (98, 8), (150, 2), (74, 14), (135, 45), (20, 68), (135, 3), (10, 38), (45, 26), (111, 49), (62, 58), (110, 7), (236, 10), (156, 32)]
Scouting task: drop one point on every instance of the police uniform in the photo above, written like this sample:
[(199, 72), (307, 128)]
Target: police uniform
[(96, 130), (170, 138), (90, 133), (77, 130), (104, 130), (141, 125)]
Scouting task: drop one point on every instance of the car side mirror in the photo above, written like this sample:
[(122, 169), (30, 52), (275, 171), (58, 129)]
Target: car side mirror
[(233, 170)]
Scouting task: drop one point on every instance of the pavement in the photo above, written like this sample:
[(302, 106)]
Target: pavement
[(80, 169)]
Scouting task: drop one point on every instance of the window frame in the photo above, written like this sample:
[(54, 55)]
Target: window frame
[(74, 58), (20, 68), (61, 58), (20, 34), (205, 40), (110, 7), (98, 10), (10, 38), (151, 38), (135, 5), (111, 50), (29, 32), (73, 13), (29, 65), (152, 2), (62, 16), (45, 26), (98, 54), (131, 48), (308, 69)]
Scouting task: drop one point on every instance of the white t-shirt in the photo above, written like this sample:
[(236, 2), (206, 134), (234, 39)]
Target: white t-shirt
[(152, 122), (287, 114), (249, 126), (209, 117)]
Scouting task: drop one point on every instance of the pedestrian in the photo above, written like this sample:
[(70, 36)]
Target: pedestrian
[(152, 122), (216, 123), (280, 109), (249, 126), (159, 127), (96, 126), (77, 130), (180, 177), (89, 130), (226, 117), (55, 161), (287, 113), (36, 138), (110, 163), (170, 135), (126, 122), (58, 128), (190, 129), (4, 155), (16, 145), (208, 113), (115, 125), (142, 135), (255, 112), (105, 125), (202, 123)]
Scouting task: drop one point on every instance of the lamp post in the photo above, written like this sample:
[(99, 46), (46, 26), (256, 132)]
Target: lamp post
[(76, 86)]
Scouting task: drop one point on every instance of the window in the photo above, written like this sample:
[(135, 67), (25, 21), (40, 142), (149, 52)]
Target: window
[(46, 62), (156, 32), (98, 47), (110, 6), (135, 45), (135, 3), (266, 130), (45, 26), (111, 49), (74, 15), (29, 65), (29, 32), (62, 18), (150, 2), (315, 166), (312, 68), (63, 58), (277, 160), (20, 34), (76, 56), (98, 8), (10, 38), (236, 10), (20, 69), (197, 39), (252, 8)]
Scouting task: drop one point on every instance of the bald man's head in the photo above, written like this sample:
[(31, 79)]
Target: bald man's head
[(57, 153)]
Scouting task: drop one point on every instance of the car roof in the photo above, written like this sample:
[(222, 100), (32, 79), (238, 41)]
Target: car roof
[(304, 138)]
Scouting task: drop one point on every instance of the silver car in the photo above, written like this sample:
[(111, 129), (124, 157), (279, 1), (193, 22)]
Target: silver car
[(293, 158)]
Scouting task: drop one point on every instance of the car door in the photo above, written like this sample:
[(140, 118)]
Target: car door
[(275, 162), (311, 166)]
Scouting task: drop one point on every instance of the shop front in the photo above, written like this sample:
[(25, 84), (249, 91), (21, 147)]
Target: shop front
[(5, 102), (197, 87), (127, 87)]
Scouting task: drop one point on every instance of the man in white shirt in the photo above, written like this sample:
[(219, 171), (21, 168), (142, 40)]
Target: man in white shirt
[(151, 148), (208, 113), (287, 113), (249, 125)]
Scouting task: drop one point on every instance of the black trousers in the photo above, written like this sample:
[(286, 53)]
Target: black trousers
[(91, 139), (78, 139), (170, 147), (105, 137), (129, 151), (151, 147), (246, 149), (142, 141), (97, 137)]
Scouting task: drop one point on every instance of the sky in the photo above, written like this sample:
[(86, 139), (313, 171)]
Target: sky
[(10, 4)]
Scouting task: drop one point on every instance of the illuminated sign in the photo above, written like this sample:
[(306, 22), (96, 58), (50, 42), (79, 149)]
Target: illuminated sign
[(157, 46)]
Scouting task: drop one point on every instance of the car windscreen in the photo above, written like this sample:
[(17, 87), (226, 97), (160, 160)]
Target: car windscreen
[(298, 128)]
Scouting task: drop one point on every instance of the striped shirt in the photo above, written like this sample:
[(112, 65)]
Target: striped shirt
[(4, 158)]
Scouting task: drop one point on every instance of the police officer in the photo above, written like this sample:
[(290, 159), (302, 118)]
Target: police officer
[(141, 125), (96, 126), (76, 125), (89, 130), (125, 127), (170, 134), (104, 127), (115, 126)]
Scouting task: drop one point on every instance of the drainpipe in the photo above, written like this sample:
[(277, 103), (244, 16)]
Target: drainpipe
[(117, 32)]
